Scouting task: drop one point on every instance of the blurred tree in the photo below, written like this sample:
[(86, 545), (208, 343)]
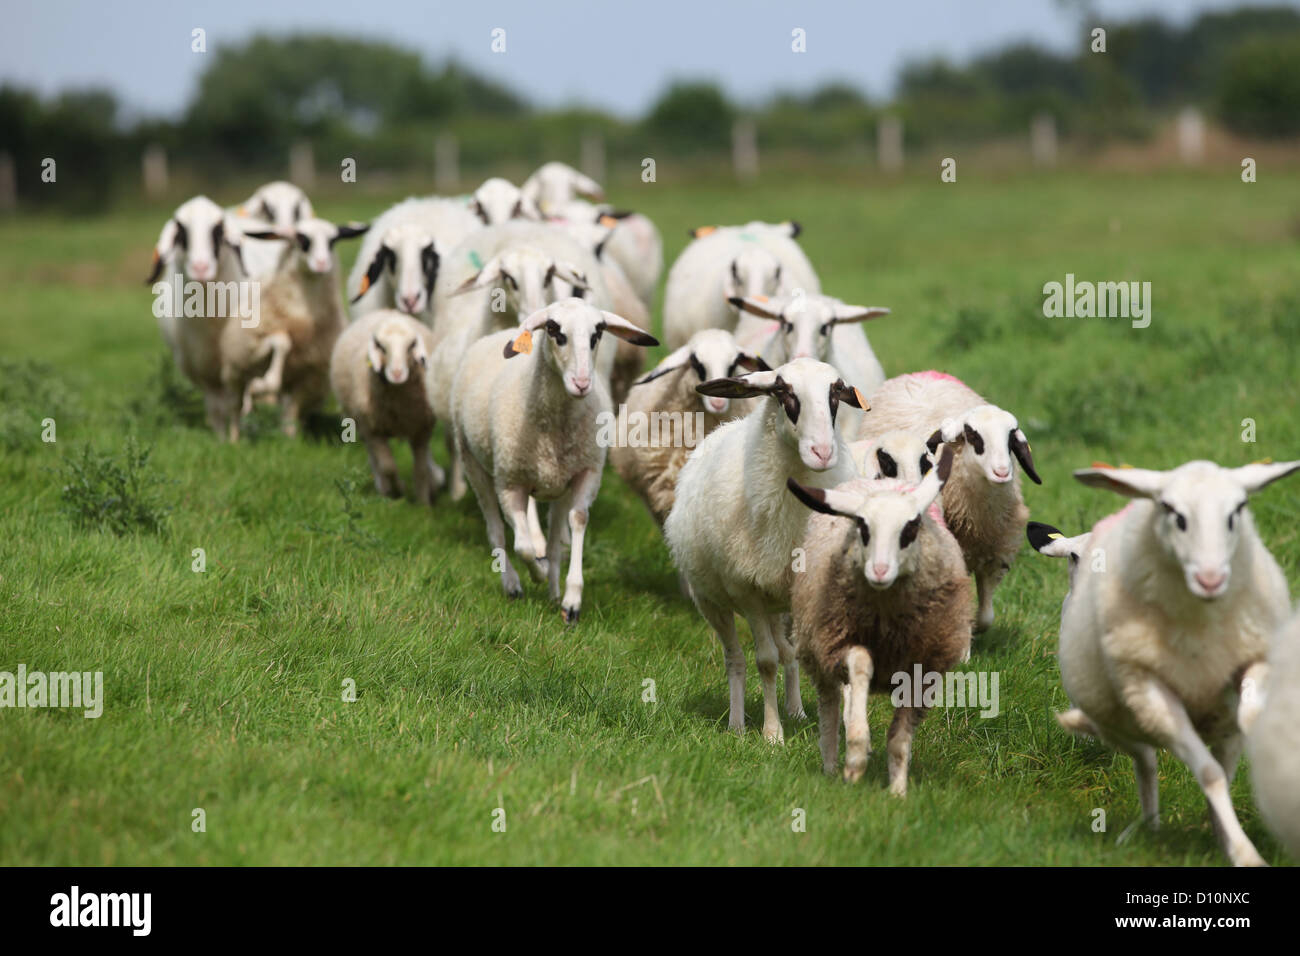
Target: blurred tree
[(1260, 91), (691, 117)]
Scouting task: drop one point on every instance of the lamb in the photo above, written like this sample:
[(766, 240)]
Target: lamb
[(527, 429), (809, 325), (884, 592), (982, 503), (733, 527), (286, 354), (1273, 740), (197, 244), (279, 206), (499, 200), (896, 454), (724, 262), (650, 468), (397, 265), (1158, 639), (376, 371)]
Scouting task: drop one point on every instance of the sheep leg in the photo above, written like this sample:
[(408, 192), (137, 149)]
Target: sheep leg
[(1228, 753), (556, 521), (1148, 784), (216, 406), (1250, 695), (276, 345), (766, 656), (986, 582), (828, 727), (457, 481), (428, 476), (846, 696), (857, 737), (582, 491), (723, 623), (898, 746), (383, 467), (290, 412), (539, 539), (516, 503), (496, 528), (789, 665), (1160, 712)]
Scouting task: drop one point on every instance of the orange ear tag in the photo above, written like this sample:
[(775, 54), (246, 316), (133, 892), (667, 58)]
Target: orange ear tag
[(703, 231), (1101, 464), (862, 399), (609, 222), (156, 257), (523, 343), (365, 284), (761, 298), (243, 211)]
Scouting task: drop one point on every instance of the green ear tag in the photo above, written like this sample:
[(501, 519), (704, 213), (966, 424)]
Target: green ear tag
[(474, 260)]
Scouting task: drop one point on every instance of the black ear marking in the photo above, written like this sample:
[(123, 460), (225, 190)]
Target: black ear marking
[(814, 498), (1040, 535), (888, 467), (429, 262), (796, 230), (935, 440), (909, 532), (976, 441), (926, 465), (554, 331), (384, 258), (945, 464)]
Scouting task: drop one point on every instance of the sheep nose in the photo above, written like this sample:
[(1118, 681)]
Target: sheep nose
[(879, 571), (1211, 581), (409, 302), (822, 452), (581, 384), (397, 375), (716, 404), (201, 270), (1002, 471)]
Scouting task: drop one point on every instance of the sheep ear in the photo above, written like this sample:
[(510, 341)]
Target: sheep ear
[(1050, 541), (933, 481), (828, 501), (793, 228), (373, 273), (699, 232), (586, 187), (375, 355), (263, 234), (752, 363), (670, 363), (521, 344), (618, 326), (1256, 476), (760, 305), (420, 352), (166, 243), (352, 229), (732, 388), (857, 313), (1130, 482), (1020, 448), (849, 395), (490, 273), (571, 274)]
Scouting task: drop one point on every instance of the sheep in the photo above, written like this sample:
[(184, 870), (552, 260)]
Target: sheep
[(376, 370), (397, 265), (884, 592), (286, 355), (732, 526), (196, 243), (492, 281), (498, 200), (651, 468), (724, 262), (553, 184), (1273, 740), (527, 429), (280, 206), (1159, 636), (821, 327), (896, 454), (982, 503)]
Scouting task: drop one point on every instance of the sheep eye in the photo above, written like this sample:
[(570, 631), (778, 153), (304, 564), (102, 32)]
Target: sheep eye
[(976, 442), (825, 329), (304, 242), (1179, 519), (909, 531), (510, 280), (579, 292), (182, 236), (700, 370), (790, 402), (267, 214), (926, 465), (553, 329), (888, 467), (218, 233), (595, 337), (864, 531)]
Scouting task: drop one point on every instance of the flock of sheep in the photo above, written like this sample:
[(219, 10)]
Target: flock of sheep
[(840, 513)]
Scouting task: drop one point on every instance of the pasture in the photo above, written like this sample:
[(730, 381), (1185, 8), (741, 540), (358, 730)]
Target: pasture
[(223, 689)]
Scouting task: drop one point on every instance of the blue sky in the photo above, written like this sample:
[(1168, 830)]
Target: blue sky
[(615, 54)]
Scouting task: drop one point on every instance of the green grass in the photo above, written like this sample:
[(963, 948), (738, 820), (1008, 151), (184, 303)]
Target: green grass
[(224, 688)]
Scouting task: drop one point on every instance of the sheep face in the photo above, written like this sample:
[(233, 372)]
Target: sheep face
[(895, 454), (282, 205), (191, 240), (314, 240), (806, 320), (888, 519), (992, 436), (530, 279), (809, 393), (499, 200), (410, 254), (754, 272), (396, 347), (1200, 512), (573, 330), (711, 354), (555, 184)]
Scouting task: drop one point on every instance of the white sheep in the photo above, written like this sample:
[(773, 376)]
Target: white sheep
[(884, 592), (809, 325), (1273, 739), (897, 454), (733, 527), (195, 243), (636, 244), (666, 399), (376, 371), (724, 262), (982, 503), (285, 355), (499, 200), (397, 265), (1160, 634), (527, 427), (279, 206)]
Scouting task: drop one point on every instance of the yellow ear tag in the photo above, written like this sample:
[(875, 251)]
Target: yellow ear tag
[(524, 343), (1263, 461), (365, 284), (1053, 537), (243, 210), (862, 399), (609, 222), (703, 231)]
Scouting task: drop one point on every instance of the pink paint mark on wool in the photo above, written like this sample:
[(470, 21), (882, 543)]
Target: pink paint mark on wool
[(1111, 519), (934, 376)]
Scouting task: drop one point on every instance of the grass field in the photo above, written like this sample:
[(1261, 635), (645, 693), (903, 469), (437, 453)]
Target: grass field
[(224, 688)]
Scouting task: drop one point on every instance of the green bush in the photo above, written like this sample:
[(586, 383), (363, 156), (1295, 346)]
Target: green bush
[(103, 491), (1259, 94)]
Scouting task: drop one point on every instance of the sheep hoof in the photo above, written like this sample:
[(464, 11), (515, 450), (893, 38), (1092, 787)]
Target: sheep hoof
[(570, 614), (538, 568), (853, 771), (776, 736), (514, 591)]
